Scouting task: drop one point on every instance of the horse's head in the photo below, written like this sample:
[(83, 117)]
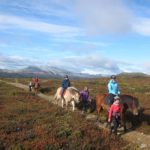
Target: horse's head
[(75, 94), (76, 97), (131, 103), (135, 106), (135, 111)]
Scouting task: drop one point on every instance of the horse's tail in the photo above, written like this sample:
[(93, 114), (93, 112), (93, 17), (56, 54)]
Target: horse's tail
[(55, 99)]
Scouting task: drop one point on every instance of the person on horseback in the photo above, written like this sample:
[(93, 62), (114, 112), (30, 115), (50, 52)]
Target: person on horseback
[(65, 84), (37, 80), (114, 117), (113, 89)]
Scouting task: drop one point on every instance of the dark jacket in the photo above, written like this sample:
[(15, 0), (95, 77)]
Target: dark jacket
[(65, 83)]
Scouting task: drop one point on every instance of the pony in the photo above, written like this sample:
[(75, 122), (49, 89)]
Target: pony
[(35, 86), (71, 94), (127, 102)]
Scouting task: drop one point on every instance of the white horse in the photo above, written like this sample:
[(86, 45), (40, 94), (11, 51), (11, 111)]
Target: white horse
[(70, 95)]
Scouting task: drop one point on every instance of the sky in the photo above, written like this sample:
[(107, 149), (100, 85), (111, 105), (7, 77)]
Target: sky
[(84, 36)]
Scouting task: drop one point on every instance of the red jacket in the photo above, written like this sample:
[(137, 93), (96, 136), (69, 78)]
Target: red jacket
[(114, 109)]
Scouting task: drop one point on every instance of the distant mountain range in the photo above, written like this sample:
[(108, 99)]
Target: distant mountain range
[(45, 72), (54, 72), (133, 74)]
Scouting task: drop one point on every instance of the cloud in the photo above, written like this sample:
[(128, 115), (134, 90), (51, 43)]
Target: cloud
[(13, 22), (44, 8), (101, 17), (16, 62), (96, 64), (142, 26), (92, 64), (104, 17), (85, 64), (146, 67)]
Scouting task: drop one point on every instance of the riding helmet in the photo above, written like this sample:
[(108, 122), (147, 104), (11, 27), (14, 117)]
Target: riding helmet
[(113, 77)]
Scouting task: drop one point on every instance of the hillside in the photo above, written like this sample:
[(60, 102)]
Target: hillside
[(133, 74), (43, 72), (31, 123)]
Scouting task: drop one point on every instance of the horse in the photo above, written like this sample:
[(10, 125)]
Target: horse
[(71, 94), (127, 102), (35, 86)]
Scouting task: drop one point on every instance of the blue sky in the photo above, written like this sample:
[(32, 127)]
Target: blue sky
[(87, 36)]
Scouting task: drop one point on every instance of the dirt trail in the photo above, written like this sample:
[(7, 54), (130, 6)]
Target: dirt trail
[(133, 136)]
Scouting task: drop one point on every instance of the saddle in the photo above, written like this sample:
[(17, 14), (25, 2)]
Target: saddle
[(61, 92), (106, 100)]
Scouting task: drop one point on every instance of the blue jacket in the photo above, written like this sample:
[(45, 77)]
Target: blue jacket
[(65, 83), (113, 87)]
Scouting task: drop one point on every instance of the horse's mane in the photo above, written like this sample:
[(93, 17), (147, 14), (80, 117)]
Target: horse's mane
[(129, 98), (73, 89)]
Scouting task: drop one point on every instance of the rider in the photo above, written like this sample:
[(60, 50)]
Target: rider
[(115, 114), (37, 80), (113, 89), (65, 84)]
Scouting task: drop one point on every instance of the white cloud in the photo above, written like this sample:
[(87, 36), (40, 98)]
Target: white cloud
[(13, 22), (104, 16), (146, 67), (92, 64), (49, 8), (15, 62), (82, 42), (87, 64), (142, 26)]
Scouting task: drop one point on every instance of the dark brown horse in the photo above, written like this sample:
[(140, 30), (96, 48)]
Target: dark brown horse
[(127, 102)]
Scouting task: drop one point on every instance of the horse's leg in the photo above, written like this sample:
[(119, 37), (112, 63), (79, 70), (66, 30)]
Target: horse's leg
[(62, 102), (124, 126), (98, 113), (34, 91), (66, 101), (123, 119), (73, 105), (55, 99)]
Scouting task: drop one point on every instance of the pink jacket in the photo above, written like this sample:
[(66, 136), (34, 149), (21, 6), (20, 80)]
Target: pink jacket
[(115, 108)]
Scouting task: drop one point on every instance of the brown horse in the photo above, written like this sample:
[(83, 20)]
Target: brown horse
[(35, 87), (126, 101)]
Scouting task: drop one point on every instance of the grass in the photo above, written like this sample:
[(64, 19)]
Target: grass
[(138, 87), (27, 122)]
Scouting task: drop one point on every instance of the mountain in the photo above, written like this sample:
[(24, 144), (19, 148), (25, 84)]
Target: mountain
[(54, 72), (43, 72), (133, 74)]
